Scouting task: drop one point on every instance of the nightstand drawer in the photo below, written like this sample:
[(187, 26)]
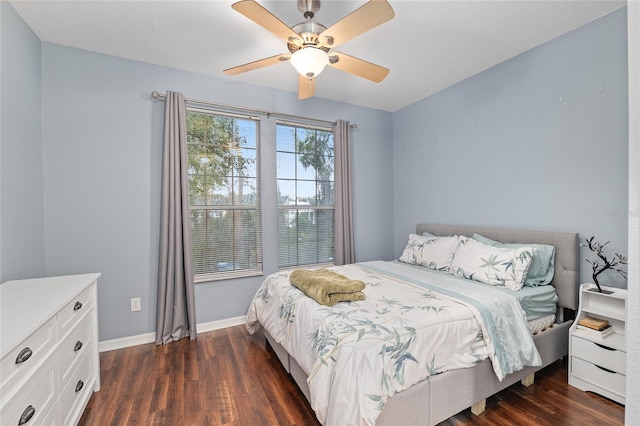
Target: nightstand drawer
[(599, 354), (609, 380)]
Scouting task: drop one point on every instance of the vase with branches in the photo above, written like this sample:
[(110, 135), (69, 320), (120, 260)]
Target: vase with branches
[(603, 262)]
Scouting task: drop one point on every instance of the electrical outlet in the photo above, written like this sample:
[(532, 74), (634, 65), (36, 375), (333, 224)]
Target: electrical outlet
[(136, 305)]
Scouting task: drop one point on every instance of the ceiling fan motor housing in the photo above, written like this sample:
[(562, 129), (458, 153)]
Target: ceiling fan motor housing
[(308, 32)]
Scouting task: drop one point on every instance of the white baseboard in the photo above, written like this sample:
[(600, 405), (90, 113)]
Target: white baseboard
[(217, 325), (141, 339), (125, 342)]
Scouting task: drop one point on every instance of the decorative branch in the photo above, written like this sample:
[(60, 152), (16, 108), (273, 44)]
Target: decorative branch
[(616, 264)]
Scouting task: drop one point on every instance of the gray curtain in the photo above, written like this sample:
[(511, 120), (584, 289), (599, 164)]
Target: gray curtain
[(175, 316), (344, 246)]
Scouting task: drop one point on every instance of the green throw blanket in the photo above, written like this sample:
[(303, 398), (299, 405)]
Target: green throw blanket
[(327, 287)]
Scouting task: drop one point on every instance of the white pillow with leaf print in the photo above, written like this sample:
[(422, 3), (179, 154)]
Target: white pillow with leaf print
[(500, 266), (432, 252)]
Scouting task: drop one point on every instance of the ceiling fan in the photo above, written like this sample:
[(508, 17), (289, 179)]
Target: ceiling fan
[(310, 42)]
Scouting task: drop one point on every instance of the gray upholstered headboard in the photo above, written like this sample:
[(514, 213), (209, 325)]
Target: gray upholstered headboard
[(566, 275)]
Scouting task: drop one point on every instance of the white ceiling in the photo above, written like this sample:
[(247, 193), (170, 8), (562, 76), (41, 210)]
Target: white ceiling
[(428, 46)]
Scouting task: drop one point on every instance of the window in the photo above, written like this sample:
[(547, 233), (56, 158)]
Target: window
[(305, 195), (224, 196)]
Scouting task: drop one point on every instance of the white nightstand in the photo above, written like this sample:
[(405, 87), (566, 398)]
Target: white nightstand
[(600, 364)]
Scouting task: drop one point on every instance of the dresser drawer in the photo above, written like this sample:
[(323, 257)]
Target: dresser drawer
[(608, 380), (52, 418), (71, 314), (74, 395), (21, 362), (599, 354), (72, 348), (35, 399)]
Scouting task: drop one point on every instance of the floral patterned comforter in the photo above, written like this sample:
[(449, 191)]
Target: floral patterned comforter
[(413, 323)]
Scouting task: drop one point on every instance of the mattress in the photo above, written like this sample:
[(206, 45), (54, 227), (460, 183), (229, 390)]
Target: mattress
[(541, 324), (537, 302)]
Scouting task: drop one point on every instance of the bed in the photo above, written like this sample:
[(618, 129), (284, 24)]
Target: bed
[(438, 394)]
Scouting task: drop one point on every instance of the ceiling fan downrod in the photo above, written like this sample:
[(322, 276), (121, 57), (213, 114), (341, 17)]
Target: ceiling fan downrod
[(309, 8)]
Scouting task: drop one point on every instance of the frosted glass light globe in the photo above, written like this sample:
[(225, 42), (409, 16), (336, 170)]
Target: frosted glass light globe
[(309, 61)]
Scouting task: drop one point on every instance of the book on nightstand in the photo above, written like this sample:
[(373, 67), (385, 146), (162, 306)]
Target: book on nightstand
[(599, 334), (593, 323)]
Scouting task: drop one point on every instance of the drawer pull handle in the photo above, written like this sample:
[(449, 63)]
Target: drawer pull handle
[(604, 347), (77, 306), (79, 385), (24, 355), (78, 346), (26, 415), (605, 369)]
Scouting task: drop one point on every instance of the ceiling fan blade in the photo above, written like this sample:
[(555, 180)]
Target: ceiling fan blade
[(306, 87), (266, 19), (261, 63), (368, 16), (358, 67)]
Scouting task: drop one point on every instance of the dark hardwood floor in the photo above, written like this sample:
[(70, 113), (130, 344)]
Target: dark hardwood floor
[(228, 377)]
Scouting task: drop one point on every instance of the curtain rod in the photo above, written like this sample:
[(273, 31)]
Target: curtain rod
[(156, 96)]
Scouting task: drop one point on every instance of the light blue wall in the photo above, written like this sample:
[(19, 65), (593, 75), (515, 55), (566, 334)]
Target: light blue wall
[(102, 150), (536, 142), (21, 181)]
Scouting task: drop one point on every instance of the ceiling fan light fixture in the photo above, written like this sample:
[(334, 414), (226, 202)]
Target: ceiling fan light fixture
[(309, 61)]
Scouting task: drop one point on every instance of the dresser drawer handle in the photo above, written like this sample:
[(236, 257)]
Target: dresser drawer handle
[(78, 346), (605, 369), (26, 415), (604, 347), (77, 306), (79, 385), (24, 355)]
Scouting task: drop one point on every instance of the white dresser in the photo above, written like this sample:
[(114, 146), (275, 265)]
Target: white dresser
[(49, 361)]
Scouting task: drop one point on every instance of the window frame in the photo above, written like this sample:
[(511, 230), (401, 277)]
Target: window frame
[(299, 207), (259, 268)]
